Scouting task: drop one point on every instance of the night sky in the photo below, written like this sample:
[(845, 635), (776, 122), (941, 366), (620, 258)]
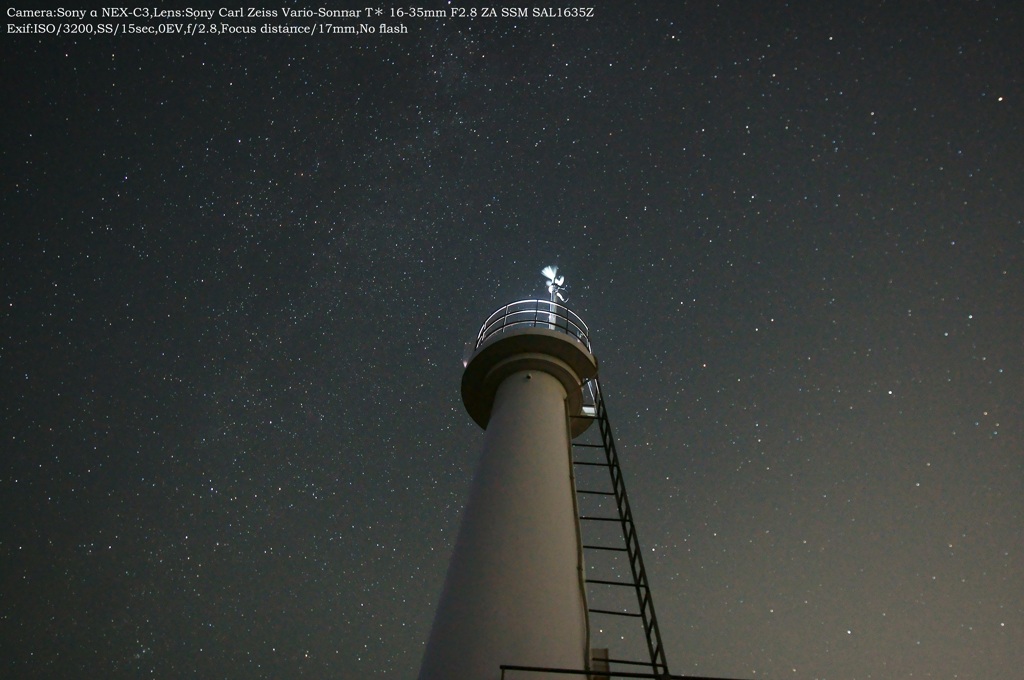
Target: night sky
[(239, 274)]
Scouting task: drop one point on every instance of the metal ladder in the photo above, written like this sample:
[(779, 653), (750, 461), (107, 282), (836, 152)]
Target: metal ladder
[(595, 410)]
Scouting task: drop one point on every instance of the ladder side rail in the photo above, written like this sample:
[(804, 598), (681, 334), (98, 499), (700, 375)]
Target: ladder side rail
[(646, 604)]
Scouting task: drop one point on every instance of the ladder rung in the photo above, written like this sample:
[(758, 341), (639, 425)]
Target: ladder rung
[(610, 612), (610, 583), (600, 519), (626, 661), (604, 547), (599, 493), (583, 462), (589, 446)]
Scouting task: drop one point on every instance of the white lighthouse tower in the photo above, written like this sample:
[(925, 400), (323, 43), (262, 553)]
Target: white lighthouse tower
[(515, 592)]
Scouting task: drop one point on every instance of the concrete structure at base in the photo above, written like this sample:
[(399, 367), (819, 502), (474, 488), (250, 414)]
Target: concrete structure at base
[(515, 591)]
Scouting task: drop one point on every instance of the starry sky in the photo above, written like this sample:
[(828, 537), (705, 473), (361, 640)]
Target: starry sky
[(239, 273)]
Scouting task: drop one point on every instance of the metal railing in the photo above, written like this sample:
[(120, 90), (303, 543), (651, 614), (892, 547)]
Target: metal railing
[(596, 674), (534, 314)]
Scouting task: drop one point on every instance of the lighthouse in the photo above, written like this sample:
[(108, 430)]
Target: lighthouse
[(515, 591)]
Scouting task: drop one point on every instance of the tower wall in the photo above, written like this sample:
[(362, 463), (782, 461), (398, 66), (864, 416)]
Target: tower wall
[(514, 591)]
